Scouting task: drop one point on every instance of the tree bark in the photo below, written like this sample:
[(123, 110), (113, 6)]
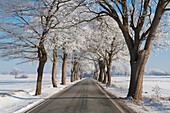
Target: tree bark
[(72, 76), (77, 72), (139, 59), (97, 75), (72, 71), (105, 74), (137, 71), (42, 60), (101, 71), (54, 68), (109, 76), (63, 82), (96, 71), (81, 75), (109, 70)]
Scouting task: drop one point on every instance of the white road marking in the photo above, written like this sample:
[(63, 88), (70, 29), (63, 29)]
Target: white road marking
[(111, 99)]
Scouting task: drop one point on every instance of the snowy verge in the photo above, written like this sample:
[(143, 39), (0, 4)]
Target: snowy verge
[(17, 95), (28, 107), (149, 103)]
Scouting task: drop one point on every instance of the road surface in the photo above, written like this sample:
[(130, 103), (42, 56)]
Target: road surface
[(84, 97)]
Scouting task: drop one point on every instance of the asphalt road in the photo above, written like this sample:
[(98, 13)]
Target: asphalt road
[(83, 97)]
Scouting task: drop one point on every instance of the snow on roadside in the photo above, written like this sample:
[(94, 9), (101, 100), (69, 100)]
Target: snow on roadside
[(17, 95), (156, 93)]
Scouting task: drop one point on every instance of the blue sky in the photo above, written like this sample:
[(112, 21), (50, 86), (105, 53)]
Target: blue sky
[(160, 61), (26, 68)]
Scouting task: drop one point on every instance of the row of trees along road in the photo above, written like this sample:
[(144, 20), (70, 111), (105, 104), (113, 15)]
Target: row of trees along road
[(91, 33), (105, 44), (30, 28), (139, 22)]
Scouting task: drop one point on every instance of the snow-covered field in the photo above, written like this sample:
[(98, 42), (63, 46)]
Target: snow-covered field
[(18, 94), (156, 93)]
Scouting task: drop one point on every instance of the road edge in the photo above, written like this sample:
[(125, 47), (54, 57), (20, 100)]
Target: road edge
[(42, 101), (119, 103)]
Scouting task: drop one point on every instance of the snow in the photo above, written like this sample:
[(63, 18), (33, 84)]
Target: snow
[(17, 95), (156, 93)]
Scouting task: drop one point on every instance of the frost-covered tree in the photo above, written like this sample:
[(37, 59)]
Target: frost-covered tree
[(52, 48), (77, 52), (68, 43), (16, 71), (75, 65), (121, 69), (156, 72), (27, 25), (139, 21), (102, 40)]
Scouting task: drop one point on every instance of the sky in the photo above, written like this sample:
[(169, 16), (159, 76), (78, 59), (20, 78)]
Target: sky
[(160, 61), (8, 66)]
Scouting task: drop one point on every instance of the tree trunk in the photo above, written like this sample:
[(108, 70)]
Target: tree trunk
[(139, 59), (137, 71), (101, 71), (63, 82), (77, 72), (85, 75), (96, 71), (72, 72), (105, 74), (81, 75), (109, 75), (42, 60), (97, 75), (109, 65), (72, 75), (54, 68)]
